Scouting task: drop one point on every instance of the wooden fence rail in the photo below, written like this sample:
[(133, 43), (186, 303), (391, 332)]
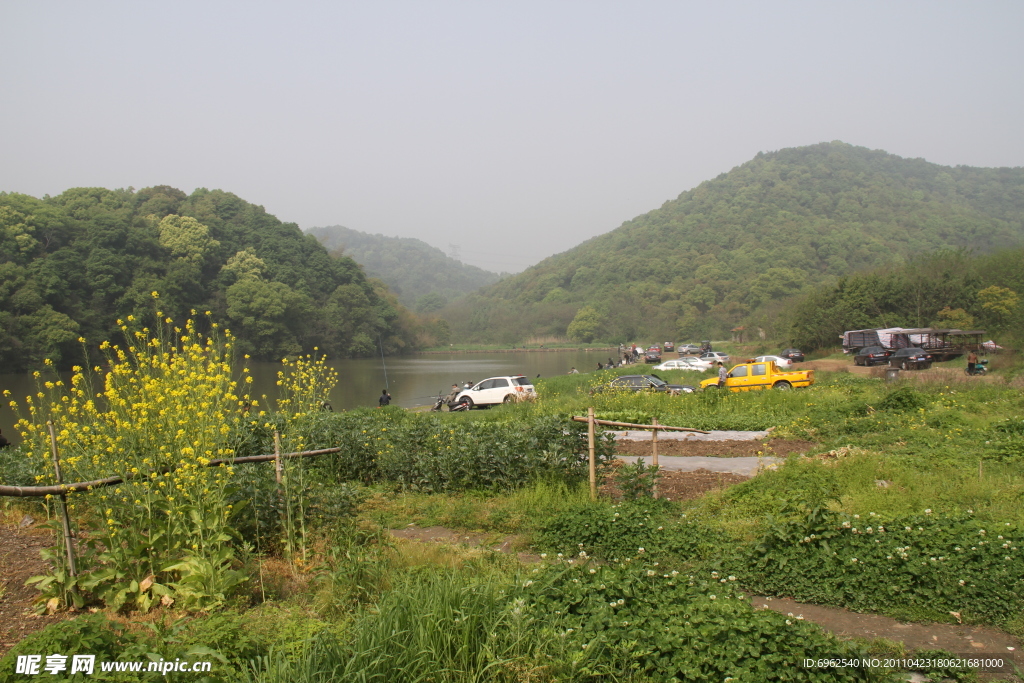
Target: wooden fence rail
[(593, 422), (39, 491)]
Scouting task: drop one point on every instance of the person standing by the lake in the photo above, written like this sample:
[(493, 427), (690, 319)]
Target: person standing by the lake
[(972, 362), (722, 375), (385, 398)]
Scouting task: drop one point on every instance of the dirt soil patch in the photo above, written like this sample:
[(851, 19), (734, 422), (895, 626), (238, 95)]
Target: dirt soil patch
[(721, 449), (19, 560), (676, 485)]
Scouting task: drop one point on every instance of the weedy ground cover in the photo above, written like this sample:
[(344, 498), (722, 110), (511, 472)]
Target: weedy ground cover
[(329, 594)]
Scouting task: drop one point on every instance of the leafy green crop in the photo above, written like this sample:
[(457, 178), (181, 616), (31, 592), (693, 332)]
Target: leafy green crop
[(640, 617), (929, 563)]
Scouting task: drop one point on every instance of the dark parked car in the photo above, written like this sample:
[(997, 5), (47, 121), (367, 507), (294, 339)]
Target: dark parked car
[(795, 355), (910, 359), (652, 355), (642, 383), (872, 355)]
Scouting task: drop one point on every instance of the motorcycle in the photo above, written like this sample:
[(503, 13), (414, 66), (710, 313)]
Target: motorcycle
[(453, 407), (978, 369)]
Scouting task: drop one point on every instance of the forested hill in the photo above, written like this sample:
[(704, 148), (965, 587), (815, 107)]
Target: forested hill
[(71, 265), (730, 250), (423, 277)]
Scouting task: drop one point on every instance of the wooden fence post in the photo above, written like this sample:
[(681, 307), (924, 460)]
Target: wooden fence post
[(593, 462), (654, 454), (65, 520), (277, 459)]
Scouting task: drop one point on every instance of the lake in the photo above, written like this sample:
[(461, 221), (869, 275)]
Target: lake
[(412, 380)]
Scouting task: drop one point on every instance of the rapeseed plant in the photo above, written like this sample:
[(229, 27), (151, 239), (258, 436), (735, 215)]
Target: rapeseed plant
[(169, 406)]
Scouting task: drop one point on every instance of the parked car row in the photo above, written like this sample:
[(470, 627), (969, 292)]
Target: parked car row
[(910, 358)]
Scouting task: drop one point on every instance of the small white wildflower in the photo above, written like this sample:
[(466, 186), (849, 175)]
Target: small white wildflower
[(962, 582), (650, 572), (543, 555), (713, 597), (732, 578), (641, 550), (621, 601), (593, 571), (856, 516), (788, 622), (928, 511)]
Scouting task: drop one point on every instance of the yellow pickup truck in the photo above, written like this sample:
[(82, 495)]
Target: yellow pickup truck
[(752, 375)]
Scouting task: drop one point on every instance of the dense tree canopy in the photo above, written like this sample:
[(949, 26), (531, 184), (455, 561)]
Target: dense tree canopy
[(71, 265), (942, 289), (734, 249)]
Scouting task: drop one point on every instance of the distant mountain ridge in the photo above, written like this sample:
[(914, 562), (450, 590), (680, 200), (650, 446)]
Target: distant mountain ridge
[(420, 275), (733, 249)]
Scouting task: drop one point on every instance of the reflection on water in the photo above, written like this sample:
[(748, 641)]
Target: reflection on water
[(411, 380)]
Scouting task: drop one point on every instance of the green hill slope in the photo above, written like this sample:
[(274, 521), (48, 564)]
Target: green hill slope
[(71, 265), (732, 249), (422, 276)]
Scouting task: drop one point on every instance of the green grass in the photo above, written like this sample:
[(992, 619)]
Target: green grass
[(521, 511)]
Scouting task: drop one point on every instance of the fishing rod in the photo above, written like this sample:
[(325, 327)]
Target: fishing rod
[(383, 364)]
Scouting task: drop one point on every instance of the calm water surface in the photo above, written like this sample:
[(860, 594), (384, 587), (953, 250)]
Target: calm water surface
[(412, 380)]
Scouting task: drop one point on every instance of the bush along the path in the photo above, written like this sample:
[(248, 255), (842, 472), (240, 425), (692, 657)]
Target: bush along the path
[(430, 454), (637, 618), (926, 564)]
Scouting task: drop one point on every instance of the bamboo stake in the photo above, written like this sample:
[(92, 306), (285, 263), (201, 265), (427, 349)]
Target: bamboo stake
[(654, 454), (63, 498), (593, 462), (277, 460)]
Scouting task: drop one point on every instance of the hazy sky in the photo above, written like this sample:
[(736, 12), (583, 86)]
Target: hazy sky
[(513, 130)]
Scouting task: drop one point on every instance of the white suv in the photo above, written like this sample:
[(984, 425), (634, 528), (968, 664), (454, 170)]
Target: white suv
[(497, 390)]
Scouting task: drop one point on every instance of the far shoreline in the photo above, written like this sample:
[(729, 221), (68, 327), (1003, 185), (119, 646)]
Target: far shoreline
[(574, 349)]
